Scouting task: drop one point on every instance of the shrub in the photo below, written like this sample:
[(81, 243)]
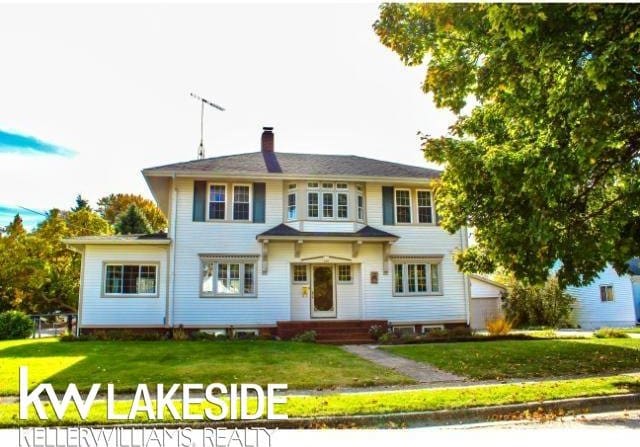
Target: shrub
[(15, 324), (386, 338), (607, 332), (437, 333), (460, 332), (499, 326), (541, 305), (306, 337), (376, 331), (180, 334)]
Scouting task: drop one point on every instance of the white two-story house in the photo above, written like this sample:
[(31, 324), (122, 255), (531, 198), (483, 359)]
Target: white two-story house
[(280, 242)]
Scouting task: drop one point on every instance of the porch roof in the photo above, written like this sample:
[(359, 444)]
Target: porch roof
[(285, 232)]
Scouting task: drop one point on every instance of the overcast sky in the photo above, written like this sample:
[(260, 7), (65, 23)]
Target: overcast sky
[(90, 95)]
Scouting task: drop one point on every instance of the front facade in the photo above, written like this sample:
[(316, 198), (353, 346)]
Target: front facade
[(258, 239)]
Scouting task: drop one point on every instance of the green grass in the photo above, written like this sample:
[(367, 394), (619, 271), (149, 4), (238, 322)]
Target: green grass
[(127, 363), (528, 359), (632, 330), (379, 403)]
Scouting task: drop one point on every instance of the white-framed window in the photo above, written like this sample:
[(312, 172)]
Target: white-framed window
[(299, 274), (417, 278), (344, 273), (130, 279), (606, 293), (360, 199), (425, 206), (241, 202), (327, 204), (313, 204), (342, 186), (292, 207), (312, 185), (404, 329), (343, 205), (327, 186), (217, 202), (426, 328), (292, 186), (233, 278), (403, 205)]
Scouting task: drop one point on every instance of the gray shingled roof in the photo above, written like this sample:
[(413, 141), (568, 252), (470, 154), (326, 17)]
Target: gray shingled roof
[(286, 230), (297, 164)]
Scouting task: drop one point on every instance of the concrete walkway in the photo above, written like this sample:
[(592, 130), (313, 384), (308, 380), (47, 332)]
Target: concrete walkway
[(421, 372)]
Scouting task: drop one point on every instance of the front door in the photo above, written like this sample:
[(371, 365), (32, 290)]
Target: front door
[(323, 297)]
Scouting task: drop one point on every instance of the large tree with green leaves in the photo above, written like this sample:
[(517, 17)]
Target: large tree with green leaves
[(545, 166), (111, 206)]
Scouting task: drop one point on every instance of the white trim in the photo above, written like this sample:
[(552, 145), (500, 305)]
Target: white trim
[(226, 202), (395, 206), (233, 201), (228, 260), (432, 206), (323, 314), (405, 278), (139, 264)]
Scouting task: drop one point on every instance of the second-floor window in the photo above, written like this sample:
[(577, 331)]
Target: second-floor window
[(403, 206), (217, 202), (292, 210), (329, 201), (241, 202), (425, 207)]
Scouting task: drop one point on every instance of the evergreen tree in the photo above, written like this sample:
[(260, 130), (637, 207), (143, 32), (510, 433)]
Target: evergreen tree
[(132, 221), (81, 204)]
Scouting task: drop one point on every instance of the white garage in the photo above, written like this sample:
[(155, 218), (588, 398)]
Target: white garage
[(486, 300)]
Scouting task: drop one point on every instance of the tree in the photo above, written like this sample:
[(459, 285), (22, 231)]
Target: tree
[(545, 167), (132, 221), (111, 206), (539, 305), (16, 228), (81, 204)]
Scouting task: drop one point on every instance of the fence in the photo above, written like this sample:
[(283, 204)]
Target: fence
[(54, 324)]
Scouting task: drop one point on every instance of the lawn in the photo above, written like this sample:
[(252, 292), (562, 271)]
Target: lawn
[(127, 363), (528, 359), (374, 403)]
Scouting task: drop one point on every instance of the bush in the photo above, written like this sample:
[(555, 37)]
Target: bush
[(499, 326), (179, 334), (546, 305), (207, 336), (437, 333), (386, 338), (14, 325), (306, 337), (607, 332), (376, 331)]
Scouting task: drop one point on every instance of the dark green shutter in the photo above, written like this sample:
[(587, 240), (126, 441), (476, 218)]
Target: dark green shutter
[(199, 201), (388, 217), (259, 202)]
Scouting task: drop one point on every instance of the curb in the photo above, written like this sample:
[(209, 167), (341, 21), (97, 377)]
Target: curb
[(597, 404)]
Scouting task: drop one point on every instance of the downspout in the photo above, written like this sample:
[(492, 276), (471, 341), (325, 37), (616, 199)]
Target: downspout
[(464, 243), (174, 205)]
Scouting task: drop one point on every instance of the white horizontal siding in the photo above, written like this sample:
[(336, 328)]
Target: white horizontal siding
[(126, 311), (591, 312), (481, 289), (195, 238)]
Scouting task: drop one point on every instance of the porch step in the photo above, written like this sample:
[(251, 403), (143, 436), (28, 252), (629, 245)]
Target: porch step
[(334, 332)]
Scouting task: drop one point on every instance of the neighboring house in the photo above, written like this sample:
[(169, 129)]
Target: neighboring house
[(610, 300), (280, 243), (486, 301)]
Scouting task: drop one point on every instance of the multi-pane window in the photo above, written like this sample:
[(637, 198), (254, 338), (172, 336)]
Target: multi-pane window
[(425, 207), (130, 279), (217, 199), (344, 273), (342, 186), (360, 207), (228, 278), (292, 210), (606, 293), (312, 204), (416, 278), (300, 273), (403, 206), (343, 205), (241, 197), (327, 204)]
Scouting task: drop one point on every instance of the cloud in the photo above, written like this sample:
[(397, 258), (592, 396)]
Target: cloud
[(28, 145)]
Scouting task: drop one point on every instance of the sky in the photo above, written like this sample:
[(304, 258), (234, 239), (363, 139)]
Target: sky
[(90, 95)]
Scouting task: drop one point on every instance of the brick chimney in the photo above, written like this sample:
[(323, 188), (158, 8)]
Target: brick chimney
[(267, 139)]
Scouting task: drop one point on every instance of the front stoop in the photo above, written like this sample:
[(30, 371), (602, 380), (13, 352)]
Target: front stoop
[(331, 331)]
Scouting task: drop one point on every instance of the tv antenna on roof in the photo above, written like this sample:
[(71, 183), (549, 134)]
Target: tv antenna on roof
[(202, 103)]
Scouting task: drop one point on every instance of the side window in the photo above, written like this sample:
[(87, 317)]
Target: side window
[(606, 293)]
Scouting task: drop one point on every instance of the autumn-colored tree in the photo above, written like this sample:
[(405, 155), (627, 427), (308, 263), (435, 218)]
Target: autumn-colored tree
[(111, 206), (546, 165)]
